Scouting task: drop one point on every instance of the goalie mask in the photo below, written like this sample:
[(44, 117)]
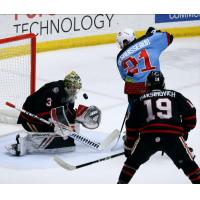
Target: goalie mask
[(89, 117), (72, 84)]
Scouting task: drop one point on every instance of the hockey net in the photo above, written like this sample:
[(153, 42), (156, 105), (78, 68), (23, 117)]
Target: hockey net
[(17, 72)]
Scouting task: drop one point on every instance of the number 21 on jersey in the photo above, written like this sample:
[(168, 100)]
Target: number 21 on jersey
[(131, 63)]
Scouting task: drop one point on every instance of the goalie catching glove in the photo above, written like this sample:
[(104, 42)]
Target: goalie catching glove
[(89, 117)]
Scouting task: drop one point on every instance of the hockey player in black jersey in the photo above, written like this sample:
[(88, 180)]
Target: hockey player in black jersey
[(51, 95), (159, 121), (40, 103)]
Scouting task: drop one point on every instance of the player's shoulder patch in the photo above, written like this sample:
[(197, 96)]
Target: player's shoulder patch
[(55, 90)]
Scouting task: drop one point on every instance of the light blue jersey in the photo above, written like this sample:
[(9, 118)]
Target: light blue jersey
[(140, 57)]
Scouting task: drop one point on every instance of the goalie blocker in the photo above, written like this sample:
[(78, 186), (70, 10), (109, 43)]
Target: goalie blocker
[(58, 141)]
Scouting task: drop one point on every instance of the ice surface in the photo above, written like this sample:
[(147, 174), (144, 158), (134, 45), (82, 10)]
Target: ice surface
[(96, 65)]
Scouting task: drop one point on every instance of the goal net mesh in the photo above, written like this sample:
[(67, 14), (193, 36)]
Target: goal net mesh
[(17, 74)]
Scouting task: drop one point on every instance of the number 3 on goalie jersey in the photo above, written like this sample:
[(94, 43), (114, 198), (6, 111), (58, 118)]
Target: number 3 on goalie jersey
[(163, 109), (49, 102)]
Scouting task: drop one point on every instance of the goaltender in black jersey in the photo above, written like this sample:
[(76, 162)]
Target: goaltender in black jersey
[(51, 95), (43, 137), (159, 121), (40, 137)]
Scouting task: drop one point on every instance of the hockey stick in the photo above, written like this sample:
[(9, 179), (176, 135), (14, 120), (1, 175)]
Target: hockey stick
[(59, 118), (96, 145), (120, 129), (27, 113), (68, 166)]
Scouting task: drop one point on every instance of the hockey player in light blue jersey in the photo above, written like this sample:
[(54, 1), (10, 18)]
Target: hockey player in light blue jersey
[(138, 57)]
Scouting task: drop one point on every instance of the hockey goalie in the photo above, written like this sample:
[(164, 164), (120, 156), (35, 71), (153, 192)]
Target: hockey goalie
[(54, 102), (62, 138)]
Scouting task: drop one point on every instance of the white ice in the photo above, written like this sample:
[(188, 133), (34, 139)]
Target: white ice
[(101, 81)]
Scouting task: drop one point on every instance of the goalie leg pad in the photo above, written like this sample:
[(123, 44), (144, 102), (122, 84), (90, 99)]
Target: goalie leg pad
[(30, 143)]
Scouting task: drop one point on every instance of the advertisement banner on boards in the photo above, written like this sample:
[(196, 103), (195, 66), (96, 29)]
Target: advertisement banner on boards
[(163, 18)]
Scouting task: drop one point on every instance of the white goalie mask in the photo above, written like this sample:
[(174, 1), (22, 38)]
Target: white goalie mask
[(125, 37)]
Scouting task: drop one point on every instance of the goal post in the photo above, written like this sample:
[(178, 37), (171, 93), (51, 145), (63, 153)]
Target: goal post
[(17, 73)]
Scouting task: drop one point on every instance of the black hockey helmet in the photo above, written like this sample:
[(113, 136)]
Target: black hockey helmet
[(155, 80)]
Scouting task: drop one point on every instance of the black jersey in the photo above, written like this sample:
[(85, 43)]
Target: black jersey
[(156, 123), (162, 112), (49, 96)]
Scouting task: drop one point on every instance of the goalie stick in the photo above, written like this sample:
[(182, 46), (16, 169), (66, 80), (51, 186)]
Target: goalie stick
[(11, 105), (68, 166), (96, 145), (59, 118)]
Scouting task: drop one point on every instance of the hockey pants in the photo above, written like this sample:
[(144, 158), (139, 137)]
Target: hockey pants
[(174, 146)]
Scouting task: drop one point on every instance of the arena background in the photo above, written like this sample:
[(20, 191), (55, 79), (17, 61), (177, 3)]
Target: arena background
[(58, 31)]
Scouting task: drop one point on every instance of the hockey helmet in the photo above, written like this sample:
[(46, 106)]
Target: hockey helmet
[(72, 83), (125, 37), (155, 80)]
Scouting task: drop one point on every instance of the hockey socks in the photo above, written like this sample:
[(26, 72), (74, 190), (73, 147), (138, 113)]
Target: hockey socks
[(126, 174), (195, 176)]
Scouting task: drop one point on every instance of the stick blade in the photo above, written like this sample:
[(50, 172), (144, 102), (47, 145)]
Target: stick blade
[(109, 139), (63, 164)]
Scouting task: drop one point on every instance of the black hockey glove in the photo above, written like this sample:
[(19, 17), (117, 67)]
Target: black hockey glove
[(152, 30)]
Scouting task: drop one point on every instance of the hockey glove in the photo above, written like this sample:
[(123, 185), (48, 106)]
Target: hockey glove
[(152, 30), (89, 117)]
